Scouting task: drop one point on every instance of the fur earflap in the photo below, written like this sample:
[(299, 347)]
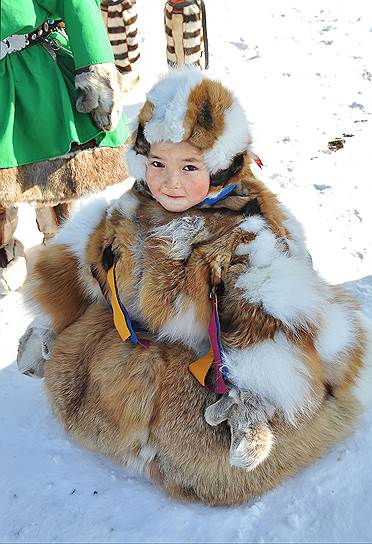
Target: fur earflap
[(136, 164)]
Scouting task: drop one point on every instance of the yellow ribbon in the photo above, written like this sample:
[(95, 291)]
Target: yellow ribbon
[(199, 368), (119, 317)]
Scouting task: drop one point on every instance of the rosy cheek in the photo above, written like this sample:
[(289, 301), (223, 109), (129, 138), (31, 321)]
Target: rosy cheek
[(151, 181), (203, 187)]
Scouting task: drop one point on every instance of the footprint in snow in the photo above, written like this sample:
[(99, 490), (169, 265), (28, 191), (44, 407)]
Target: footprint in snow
[(322, 188)]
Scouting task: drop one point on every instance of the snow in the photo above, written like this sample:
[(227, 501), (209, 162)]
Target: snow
[(303, 74)]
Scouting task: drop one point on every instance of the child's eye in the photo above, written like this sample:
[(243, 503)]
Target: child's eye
[(157, 164), (189, 168)]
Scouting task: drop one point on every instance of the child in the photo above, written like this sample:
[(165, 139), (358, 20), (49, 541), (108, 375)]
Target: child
[(200, 252)]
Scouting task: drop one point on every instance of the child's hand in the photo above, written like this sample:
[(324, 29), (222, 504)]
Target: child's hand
[(34, 350), (99, 89), (247, 416), (215, 260)]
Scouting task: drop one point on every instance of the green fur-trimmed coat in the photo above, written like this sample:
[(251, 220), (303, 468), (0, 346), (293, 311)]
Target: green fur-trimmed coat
[(39, 121)]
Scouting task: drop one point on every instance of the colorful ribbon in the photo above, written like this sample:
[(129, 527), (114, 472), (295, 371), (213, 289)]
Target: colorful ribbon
[(121, 318), (200, 368)]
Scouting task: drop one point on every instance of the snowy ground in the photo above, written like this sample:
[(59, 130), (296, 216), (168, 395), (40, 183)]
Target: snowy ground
[(303, 72)]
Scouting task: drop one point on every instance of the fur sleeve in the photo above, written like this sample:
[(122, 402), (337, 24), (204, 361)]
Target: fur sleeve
[(269, 314), (60, 286)]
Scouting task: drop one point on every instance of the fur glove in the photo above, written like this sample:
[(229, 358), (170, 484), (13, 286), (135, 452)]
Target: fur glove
[(100, 94), (34, 350), (247, 416)]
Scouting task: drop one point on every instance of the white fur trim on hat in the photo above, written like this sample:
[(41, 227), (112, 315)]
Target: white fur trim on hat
[(235, 139), (170, 96)]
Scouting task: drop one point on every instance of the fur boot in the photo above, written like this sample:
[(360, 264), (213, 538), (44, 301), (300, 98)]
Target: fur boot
[(186, 33)]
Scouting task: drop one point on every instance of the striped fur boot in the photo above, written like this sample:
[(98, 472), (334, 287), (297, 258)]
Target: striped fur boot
[(120, 17), (186, 33), (13, 269), (49, 219)]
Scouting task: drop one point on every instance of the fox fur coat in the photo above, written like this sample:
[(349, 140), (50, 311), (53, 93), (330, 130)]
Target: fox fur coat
[(287, 336)]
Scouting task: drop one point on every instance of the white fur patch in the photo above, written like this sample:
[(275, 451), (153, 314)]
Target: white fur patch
[(293, 226), (254, 224), (363, 385), (336, 337), (184, 327), (296, 240), (126, 204), (170, 96), (180, 233), (136, 164), (263, 249), (242, 249), (287, 288), (275, 370), (75, 234), (76, 231), (234, 139)]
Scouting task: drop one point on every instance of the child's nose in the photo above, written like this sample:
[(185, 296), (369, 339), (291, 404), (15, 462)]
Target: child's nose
[(173, 180)]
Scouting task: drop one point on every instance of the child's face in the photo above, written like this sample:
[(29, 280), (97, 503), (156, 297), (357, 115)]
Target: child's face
[(176, 175)]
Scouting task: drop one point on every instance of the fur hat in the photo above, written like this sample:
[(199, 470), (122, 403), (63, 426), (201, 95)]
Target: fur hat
[(186, 105)]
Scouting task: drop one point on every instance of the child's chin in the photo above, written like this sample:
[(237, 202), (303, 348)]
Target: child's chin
[(175, 206)]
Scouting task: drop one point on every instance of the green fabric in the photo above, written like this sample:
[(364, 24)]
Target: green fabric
[(38, 119)]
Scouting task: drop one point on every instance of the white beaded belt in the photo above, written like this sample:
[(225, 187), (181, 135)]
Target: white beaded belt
[(18, 42)]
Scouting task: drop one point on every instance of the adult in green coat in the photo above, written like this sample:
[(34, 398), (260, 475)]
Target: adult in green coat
[(61, 122)]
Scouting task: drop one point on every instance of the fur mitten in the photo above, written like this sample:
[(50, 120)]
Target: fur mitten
[(34, 350), (247, 416), (100, 94)]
